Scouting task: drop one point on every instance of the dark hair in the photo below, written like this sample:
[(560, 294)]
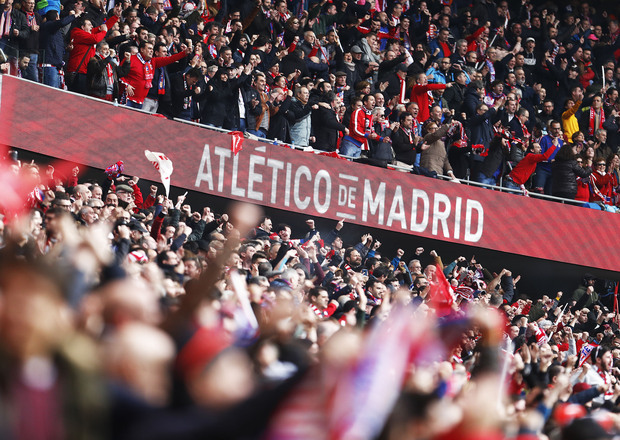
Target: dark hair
[(380, 272), (315, 291), (158, 46), (51, 15), (281, 227), (371, 283), (404, 115), (194, 72), (328, 97), (565, 153), (599, 352)]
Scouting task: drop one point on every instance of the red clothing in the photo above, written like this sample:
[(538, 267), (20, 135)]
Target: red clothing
[(361, 126), (136, 79), (325, 313), (84, 42), (419, 94), (472, 43), (583, 189), (526, 167), (604, 185), (587, 76)]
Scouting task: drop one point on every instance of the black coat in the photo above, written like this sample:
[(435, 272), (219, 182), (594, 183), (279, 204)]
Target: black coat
[(482, 127), (564, 175), (96, 76), (280, 122), (470, 102), (220, 106), (292, 62), (178, 93), (455, 96), (30, 44), (326, 129), (495, 159), (404, 150), (18, 21)]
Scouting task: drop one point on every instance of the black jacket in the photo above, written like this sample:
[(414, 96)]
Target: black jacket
[(220, 106), (178, 93), (326, 129), (96, 76), (564, 177), (18, 21), (280, 122), (404, 150), (30, 44), (495, 159)]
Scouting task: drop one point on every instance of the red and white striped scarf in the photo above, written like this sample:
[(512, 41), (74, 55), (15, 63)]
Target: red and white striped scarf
[(591, 126), (5, 24)]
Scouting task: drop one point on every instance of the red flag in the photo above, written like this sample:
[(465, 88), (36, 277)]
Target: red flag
[(236, 142), (331, 154), (440, 294)]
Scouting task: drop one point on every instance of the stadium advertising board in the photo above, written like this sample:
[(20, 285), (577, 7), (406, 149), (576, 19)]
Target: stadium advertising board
[(69, 127)]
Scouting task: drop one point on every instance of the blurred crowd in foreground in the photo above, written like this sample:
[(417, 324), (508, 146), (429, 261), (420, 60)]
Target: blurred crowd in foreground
[(128, 317)]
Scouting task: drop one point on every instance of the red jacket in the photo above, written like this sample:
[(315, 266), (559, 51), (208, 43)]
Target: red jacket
[(360, 127), (419, 94), (135, 77), (526, 167), (604, 185), (84, 43), (583, 189)]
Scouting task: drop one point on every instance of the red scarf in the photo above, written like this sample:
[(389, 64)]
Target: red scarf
[(5, 24), (591, 127), (526, 133), (31, 18), (408, 133), (148, 72), (606, 378), (445, 48), (110, 73), (403, 90)]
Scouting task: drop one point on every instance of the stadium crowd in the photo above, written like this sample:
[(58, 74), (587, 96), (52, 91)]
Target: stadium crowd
[(125, 317), (448, 88)]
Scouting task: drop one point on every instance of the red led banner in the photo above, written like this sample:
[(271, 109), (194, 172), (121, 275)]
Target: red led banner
[(59, 124)]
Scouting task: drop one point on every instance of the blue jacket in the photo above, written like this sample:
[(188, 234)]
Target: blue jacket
[(51, 41)]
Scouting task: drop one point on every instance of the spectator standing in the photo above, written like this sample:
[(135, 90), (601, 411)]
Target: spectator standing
[(360, 129), (405, 141), (102, 73), (13, 30), (435, 157), (29, 46), (542, 179), (326, 138), (139, 80), (565, 172), (301, 128), (420, 96), (52, 45), (84, 37)]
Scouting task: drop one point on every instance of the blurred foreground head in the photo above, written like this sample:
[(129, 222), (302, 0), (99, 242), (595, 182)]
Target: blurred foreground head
[(34, 316)]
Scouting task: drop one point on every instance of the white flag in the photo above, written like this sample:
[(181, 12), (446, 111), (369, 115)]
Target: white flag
[(163, 164)]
